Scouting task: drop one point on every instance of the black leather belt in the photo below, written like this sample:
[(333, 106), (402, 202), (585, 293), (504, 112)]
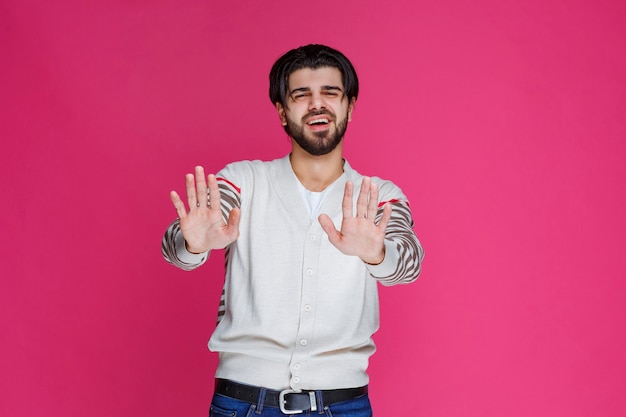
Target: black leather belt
[(288, 401)]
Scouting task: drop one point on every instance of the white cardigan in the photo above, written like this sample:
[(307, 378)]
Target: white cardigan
[(297, 312)]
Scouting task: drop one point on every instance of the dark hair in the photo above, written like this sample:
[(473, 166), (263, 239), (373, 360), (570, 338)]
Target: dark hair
[(311, 56)]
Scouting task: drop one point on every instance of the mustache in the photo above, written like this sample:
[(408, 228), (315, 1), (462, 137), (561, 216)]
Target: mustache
[(319, 113)]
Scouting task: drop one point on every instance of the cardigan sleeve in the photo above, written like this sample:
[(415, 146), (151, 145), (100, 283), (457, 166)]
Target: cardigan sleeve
[(403, 251), (173, 244)]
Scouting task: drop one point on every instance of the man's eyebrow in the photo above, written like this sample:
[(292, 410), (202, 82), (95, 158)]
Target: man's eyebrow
[(324, 88), (299, 90), (332, 87)]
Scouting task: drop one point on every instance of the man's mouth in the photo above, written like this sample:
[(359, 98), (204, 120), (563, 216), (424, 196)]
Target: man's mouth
[(318, 121)]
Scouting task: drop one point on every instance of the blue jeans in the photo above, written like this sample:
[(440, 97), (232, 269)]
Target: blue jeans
[(223, 406)]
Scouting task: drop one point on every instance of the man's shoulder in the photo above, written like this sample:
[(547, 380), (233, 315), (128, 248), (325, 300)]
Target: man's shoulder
[(354, 175), (245, 172), (253, 165), (387, 188)]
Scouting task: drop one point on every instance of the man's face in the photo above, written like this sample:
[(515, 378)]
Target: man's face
[(317, 112)]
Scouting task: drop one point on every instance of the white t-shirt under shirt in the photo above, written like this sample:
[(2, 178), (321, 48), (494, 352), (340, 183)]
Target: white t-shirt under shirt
[(314, 199)]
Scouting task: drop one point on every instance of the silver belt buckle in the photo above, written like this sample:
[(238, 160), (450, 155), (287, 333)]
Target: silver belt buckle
[(282, 402)]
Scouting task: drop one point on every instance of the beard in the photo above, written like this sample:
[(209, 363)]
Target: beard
[(321, 143)]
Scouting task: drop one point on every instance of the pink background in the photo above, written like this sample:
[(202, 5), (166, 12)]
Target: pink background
[(503, 121)]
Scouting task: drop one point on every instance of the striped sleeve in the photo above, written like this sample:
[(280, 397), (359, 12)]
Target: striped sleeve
[(403, 251), (173, 243)]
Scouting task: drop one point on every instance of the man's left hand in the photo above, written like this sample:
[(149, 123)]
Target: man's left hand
[(360, 235)]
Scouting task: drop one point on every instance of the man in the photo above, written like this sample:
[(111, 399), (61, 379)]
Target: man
[(307, 238)]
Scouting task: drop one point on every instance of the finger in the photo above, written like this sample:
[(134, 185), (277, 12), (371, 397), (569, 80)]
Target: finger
[(178, 204), (201, 188), (362, 200), (384, 220), (346, 204), (233, 222), (214, 193), (190, 187), (372, 205), (329, 227)]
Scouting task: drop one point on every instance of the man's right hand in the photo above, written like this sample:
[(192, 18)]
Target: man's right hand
[(203, 226)]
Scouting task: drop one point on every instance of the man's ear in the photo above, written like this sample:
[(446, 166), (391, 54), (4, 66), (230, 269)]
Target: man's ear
[(351, 108), (281, 113)]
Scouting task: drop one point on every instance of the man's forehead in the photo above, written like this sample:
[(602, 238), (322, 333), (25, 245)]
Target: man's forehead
[(310, 77)]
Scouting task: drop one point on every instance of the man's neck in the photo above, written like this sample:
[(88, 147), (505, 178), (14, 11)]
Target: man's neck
[(314, 172)]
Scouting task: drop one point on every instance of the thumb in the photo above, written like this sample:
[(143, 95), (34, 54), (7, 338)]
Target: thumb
[(329, 227), (234, 217)]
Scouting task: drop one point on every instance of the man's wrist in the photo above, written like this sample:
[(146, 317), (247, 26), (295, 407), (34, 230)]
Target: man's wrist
[(194, 251), (377, 260)]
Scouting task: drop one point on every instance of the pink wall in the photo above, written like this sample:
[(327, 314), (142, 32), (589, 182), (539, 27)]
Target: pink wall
[(503, 122)]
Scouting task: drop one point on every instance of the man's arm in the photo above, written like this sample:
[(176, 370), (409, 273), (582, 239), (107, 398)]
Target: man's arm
[(381, 234), (175, 252), (403, 251), (202, 227)]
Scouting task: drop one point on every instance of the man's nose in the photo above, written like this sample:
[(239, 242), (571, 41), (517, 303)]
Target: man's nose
[(316, 102)]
